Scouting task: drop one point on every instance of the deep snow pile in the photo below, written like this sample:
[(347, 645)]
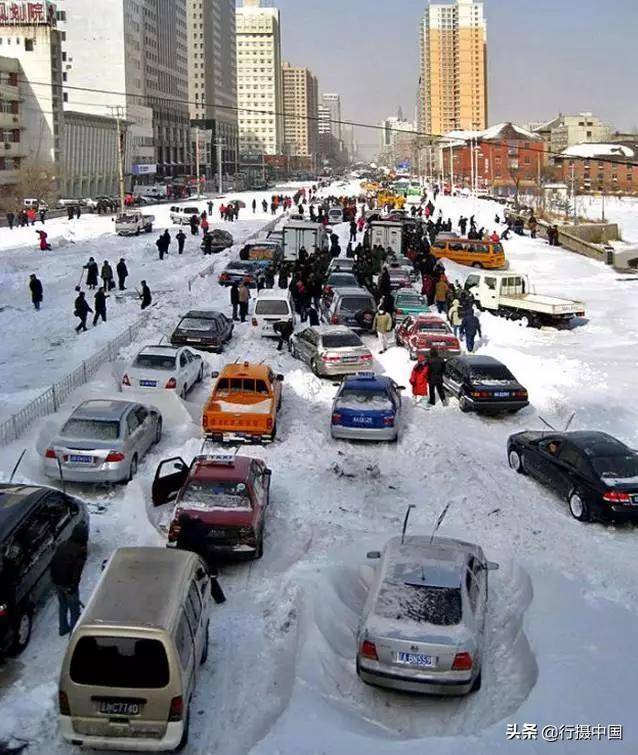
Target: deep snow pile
[(280, 676)]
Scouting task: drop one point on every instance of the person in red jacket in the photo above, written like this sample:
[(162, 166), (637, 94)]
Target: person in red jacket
[(419, 380)]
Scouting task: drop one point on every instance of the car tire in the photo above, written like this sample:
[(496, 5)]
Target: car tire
[(132, 469), (200, 374), (578, 507), (22, 631), (524, 321), (463, 404), (204, 657), (476, 684), (515, 460), (478, 264), (314, 368), (158, 431), (182, 393)]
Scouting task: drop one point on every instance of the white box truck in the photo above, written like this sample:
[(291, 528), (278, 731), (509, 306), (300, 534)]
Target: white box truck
[(388, 234), (298, 233)]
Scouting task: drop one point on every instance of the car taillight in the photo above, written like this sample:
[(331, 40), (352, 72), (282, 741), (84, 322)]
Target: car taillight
[(63, 704), (520, 394), (462, 662), (388, 421), (125, 380), (330, 358), (480, 394), (366, 357), (115, 456), (369, 650), (4, 610), (224, 277), (334, 320), (171, 383), (174, 531), (269, 423), (616, 497), (255, 322), (398, 311), (176, 712), (50, 454)]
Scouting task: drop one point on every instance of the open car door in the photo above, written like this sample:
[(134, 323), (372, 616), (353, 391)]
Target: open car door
[(171, 474)]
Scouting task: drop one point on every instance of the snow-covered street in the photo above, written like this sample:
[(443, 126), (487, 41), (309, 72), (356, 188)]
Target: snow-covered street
[(280, 678)]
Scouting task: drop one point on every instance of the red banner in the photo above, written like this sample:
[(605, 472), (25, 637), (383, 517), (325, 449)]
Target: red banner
[(38, 13)]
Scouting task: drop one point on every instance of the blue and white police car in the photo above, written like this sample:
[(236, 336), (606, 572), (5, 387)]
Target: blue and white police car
[(367, 407)]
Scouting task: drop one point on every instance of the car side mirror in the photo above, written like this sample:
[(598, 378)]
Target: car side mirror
[(373, 554), (280, 378), (491, 566), (400, 387), (268, 472), (214, 374)]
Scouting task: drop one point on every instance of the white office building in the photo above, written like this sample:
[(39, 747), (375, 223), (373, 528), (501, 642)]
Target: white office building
[(259, 80)]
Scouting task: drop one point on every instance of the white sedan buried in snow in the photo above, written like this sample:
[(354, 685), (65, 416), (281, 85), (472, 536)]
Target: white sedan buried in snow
[(170, 368), (422, 628)]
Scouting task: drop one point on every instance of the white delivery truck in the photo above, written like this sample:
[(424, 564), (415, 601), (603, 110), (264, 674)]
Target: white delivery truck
[(508, 294), (388, 234), (298, 233), (133, 222)]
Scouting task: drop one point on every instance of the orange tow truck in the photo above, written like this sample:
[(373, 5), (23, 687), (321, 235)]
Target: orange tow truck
[(244, 404)]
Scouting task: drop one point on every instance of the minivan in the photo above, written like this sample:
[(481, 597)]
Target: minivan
[(272, 305), (335, 215), (182, 215), (129, 672), (484, 254), (354, 307)]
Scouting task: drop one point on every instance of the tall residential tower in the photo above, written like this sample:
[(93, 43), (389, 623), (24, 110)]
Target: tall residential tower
[(453, 82), (301, 95)]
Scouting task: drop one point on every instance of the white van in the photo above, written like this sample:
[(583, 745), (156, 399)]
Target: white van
[(272, 305), (335, 215), (130, 668), (182, 215)]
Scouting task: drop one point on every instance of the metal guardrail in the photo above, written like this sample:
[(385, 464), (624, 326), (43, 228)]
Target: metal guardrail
[(52, 398)]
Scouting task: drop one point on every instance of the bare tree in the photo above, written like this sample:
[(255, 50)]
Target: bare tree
[(37, 180)]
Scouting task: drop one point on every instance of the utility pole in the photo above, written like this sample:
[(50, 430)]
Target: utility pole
[(573, 176), (451, 169), (472, 165), (220, 169), (117, 112), (197, 160)]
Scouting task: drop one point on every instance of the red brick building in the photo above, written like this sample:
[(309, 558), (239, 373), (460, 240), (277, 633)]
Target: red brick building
[(611, 168), (505, 156)]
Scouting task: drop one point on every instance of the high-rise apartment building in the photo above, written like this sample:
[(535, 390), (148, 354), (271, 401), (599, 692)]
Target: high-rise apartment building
[(301, 100), (212, 79), (259, 79), (137, 49), (333, 102), (453, 77)]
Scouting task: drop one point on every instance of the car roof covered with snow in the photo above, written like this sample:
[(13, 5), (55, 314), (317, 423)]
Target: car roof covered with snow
[(160, 350), (246, 369), (202, 314), (208, 468), (102, 409), (367, 382)]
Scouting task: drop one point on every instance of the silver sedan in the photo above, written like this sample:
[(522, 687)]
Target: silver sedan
[(423, 624), (331, 350), (103, 441)]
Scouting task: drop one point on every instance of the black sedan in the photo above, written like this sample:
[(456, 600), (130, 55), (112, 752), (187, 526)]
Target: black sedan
[(203, 329), (216, 241), (483, 384), (595, 473)]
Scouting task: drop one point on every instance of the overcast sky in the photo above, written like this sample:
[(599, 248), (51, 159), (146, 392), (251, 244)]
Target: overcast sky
[(545, 56)]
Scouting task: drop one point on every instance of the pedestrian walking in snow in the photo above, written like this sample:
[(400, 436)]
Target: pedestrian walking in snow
[(107, 276), (81, 310), (244, 298), (78, 212), (35, 286), (382, 324), (122, 274), (194, 223), (92, 273), (419, 380), (436, 370), (210, 208), (440, 294), (254, 206), (146, 296), (470, 326), (181, 240), (454, 316), (100, 307), (11, 220), (43, 214), (44, 244), (67, 565), (234, 299)]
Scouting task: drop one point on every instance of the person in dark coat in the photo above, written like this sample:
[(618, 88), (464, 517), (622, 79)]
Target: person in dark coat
[(384, 282), (254, 206), (313, 315), (100, 306), (122, 273), (181, 240), (11, 219), (81, 310), (69, 212), (234, 299), (66, 572), (210, 208), (353, 230), (146, 296), (43, 214), (78, 211), (193, 536), (470, 326), (284, 328), (92, 272), (194, 223), (436, 370), (282, 280), (35, 285)]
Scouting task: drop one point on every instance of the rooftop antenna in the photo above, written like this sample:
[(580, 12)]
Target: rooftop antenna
[(405, 521), (15, 469), (567, 424), (439, 521)]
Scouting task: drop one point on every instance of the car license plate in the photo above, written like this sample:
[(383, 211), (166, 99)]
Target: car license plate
[(77, 459), (148, 383), (195, 340), (349, 360), (120, 707), (502, 394), (362, 420), (416, 659)]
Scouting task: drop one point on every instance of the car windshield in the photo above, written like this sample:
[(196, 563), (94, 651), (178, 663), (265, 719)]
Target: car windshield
[(272, 307), (341, 341), (247, 267), (356, 303), (122, 662), (405, 300), (241, 385), (433, 326), (196, 323), (621, 467), (91, 429), (422, 603), (216, 494), (342, 279), (353, 398), (491, 372), (155, 362)]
